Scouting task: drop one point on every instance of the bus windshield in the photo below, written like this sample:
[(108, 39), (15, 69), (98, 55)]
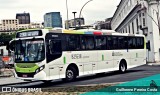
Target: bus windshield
[(31, 50)]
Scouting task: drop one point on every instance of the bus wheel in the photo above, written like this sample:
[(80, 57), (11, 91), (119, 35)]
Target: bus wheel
[(122, 67), (71, 74)]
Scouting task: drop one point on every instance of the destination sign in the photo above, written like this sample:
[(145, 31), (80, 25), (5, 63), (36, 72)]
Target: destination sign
[(29, 34)]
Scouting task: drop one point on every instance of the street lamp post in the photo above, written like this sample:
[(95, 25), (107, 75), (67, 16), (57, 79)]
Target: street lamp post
[(81, 11), (74, 18), (67, 26)]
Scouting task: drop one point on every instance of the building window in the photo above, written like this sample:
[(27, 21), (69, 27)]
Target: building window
[(139, 14), (143, 14), (144, 22), (9, 21)]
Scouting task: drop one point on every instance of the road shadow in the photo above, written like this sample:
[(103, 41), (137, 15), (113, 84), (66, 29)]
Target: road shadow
[(56, 83)]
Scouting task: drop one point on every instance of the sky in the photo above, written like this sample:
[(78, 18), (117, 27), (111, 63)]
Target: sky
[(96, 10)]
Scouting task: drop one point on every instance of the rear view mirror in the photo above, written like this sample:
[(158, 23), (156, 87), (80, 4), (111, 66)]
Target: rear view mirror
[(7, 46), (11, 45)]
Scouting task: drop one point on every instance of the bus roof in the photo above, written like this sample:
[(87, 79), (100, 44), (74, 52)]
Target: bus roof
[(92, 31), (83, 31)]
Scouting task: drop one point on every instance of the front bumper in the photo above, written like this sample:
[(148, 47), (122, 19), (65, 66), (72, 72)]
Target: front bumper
[(31, 76)]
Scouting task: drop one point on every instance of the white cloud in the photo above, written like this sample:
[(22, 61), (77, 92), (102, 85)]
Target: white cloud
[(93, 11)]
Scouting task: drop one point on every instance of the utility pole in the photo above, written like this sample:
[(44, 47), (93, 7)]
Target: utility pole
[(67, 26)]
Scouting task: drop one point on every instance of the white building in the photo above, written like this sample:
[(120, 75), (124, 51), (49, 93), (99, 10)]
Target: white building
[(36, 25), (9, 26), (139, 17)]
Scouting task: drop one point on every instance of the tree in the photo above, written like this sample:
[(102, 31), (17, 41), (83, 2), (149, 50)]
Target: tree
[(5, 38)]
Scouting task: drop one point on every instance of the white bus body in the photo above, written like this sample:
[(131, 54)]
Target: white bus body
[(61, 54)]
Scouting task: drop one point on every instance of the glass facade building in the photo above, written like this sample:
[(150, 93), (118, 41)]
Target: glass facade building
[(53, 19)]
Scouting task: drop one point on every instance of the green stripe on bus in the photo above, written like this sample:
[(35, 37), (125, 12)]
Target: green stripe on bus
[(136, 55), (144, 43), (26, 68), (64, 60), (102, 57), (25, 65)]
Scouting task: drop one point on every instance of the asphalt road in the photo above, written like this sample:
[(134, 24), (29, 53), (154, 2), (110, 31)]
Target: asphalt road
[(111, 77)]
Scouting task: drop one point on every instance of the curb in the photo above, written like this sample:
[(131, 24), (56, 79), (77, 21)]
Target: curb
[(4, 76), (153, 64), (17, 83)]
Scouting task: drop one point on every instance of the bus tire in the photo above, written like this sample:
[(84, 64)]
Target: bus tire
[(122, 66), (71, 74)]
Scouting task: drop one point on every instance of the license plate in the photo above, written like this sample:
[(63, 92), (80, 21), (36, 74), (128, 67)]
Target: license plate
[(24, 76)]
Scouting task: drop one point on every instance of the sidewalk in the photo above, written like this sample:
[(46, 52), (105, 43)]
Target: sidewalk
[(154, 64), (10, 80), (7, 77)]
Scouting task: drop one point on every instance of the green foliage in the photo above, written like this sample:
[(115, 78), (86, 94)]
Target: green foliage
[(5, 38)]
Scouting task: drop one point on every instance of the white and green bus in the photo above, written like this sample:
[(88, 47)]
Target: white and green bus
[(48, 54)]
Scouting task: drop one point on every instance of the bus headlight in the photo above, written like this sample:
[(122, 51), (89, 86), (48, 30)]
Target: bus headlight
[(37, 70), (40, 69)]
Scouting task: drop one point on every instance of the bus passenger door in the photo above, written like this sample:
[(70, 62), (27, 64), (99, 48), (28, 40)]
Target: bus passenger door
[(53, 52)]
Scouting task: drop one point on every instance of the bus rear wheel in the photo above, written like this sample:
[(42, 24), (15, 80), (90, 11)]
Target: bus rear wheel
[(71, 74), (122, 67)]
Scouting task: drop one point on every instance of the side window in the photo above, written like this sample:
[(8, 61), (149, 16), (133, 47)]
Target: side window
[(90, 42), (73, 42), (54, 49), (134, 43), (138, 42), (121, 43), (141, 43), (55, 46), (100, 43), (125, 43), (130, 43), (115, 42), (83, 42), (109, 43)]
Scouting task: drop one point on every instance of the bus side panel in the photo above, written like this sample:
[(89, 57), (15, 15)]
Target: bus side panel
[(141, 56), (74, 57), (118, 55), (133, 58), (105, 60), (89, 60), (137, 57)]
